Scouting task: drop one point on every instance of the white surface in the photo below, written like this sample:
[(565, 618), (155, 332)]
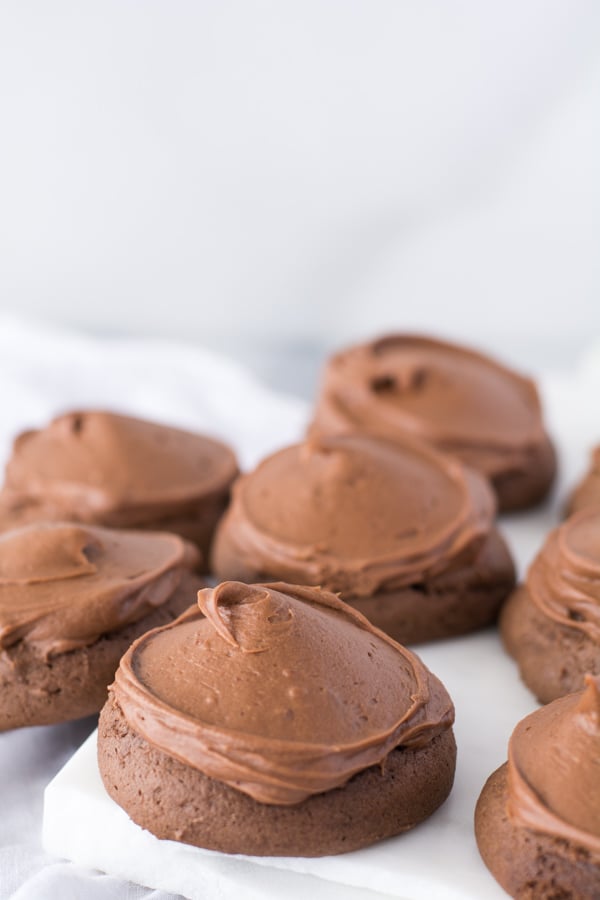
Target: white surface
[(42, 373), (439, 859), (251, 168)]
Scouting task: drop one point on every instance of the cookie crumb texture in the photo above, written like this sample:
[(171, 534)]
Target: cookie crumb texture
[(551, 623), (459, 601), (528, 865), (553, 658), (528, 485), (178, 802)]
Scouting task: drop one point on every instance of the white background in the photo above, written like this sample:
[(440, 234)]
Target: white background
[(251, 173), (272, 178)]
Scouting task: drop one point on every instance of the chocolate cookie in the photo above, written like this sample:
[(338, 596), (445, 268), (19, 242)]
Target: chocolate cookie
[(105, 469), (537, 823), (551, 624), (460, 401), (587, 492), (72, 600), (403, 533), (307, 733)]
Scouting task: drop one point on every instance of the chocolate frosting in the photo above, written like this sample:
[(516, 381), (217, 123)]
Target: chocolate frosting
[(279, 691), (457, 399), (588, 492), (355, 514), (112, 469), (554, 769), (563, 581), (62, 586)]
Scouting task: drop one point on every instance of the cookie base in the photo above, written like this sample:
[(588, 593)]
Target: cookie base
[(530, 485), (36, 691), (454, 602), (197, 524), (552, 658), (527, 864), (451, 604), (180, 803)]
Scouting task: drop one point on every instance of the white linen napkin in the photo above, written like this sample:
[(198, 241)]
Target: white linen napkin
[(46, 371)]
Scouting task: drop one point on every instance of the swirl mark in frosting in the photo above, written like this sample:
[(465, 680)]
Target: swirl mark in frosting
[(564, 579), (30, 558), (281, 691), (63, 585), (225, 610), (554, 769)]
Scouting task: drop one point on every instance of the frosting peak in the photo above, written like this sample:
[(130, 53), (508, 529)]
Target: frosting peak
[(64, 585), (247, 617), (589, 705), (554, 769), (355, 514), (280, 691), (564, 579)]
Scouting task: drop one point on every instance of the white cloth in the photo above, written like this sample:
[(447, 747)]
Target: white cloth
[(43, 372)]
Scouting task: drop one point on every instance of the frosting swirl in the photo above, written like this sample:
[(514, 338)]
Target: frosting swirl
[(113, 470), (354, 514), (279, 691), (62, 585), (554, 769), (563, 581), (461, 401)]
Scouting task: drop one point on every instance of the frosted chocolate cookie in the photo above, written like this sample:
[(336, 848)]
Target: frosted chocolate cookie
[(403, 533), (587, 492), (72, 600), (104, 469), (551, 624), (460, 401), (537, 821), (275, 720)]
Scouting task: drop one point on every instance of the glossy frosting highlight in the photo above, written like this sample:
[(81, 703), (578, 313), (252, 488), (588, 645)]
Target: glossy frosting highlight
[(62, 586), (459, 400), (564, 579), (279, 691), (554, 769), (113, 469), (355, 514)]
